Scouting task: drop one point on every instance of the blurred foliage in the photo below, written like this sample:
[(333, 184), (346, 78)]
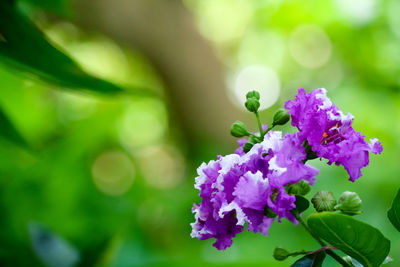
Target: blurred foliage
[(60, 7), (42, 59), (112, 177)]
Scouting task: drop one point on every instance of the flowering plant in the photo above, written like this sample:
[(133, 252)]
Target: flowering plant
[(268, 176)]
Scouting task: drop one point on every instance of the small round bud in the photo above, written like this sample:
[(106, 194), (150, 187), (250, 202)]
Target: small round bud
[(281, 117), (253, 94), (247, 146), (324, 201), (239, 129), (252, 104), (301, 188), (281, 254), (349, 203)]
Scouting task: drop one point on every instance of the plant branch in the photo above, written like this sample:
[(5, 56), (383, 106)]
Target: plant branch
[(322, 243), (260, 125)]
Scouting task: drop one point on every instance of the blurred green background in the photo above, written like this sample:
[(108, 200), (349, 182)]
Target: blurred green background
[(107, 180)]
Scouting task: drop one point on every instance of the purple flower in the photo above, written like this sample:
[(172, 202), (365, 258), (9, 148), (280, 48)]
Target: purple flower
[(238, 188), (329, 132)]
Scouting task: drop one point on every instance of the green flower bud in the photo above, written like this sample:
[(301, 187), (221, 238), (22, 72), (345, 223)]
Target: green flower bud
[(281, 117), (301, 188), (281, 254), (253, 94), (247, 146), (255, 139), (324, 201), (252, 104), (239, 129), (349, 203)]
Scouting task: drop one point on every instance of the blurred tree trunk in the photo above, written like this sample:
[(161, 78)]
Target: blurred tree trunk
[(164, 31)]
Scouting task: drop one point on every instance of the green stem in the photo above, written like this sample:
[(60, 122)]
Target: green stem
[(260, 125), (322, 243), (296, 253), (262, 133), (270, 128)]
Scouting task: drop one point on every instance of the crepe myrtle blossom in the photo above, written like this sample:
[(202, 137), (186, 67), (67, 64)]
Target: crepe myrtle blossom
[(246, 187), (329, 132)]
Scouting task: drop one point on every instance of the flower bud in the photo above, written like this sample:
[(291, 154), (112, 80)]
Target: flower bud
[(239, 129), (281, 117), (301, 188), (252, 104), (324, 201), (281, 254), (254, 139), (349, 203), (247, 146), (253, 94)]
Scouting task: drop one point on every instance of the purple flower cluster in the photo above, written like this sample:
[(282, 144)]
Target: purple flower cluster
[(329, 132), (247, 187), (239, 188)]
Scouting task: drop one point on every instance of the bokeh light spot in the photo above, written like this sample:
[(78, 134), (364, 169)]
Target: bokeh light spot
[(161, 166), (358, 11), (143, 123), (310, 46), (266, 48), (260, 78), (225, 20), (393, 11), (113, 172)]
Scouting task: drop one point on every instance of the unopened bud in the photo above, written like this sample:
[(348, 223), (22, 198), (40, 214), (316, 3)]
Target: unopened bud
[(281, 254), (253, 94), (301, 188), (324, 201), (239, 129), (252, 104), (247, 146), (281, 117), (349, 203)]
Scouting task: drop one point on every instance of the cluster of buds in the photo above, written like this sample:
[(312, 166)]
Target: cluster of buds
[(252, 104), (349, 202)]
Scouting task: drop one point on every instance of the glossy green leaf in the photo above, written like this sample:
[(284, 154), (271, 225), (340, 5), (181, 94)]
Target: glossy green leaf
[(314, 260), (357, 264), (359, 240), (24, 47), (394, 212)]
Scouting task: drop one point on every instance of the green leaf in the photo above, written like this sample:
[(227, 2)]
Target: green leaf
[(357, 264), (24, 47), (357, 239), (394, 212), (301, 203), (314, 260), (9, 132), (60, 7)]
